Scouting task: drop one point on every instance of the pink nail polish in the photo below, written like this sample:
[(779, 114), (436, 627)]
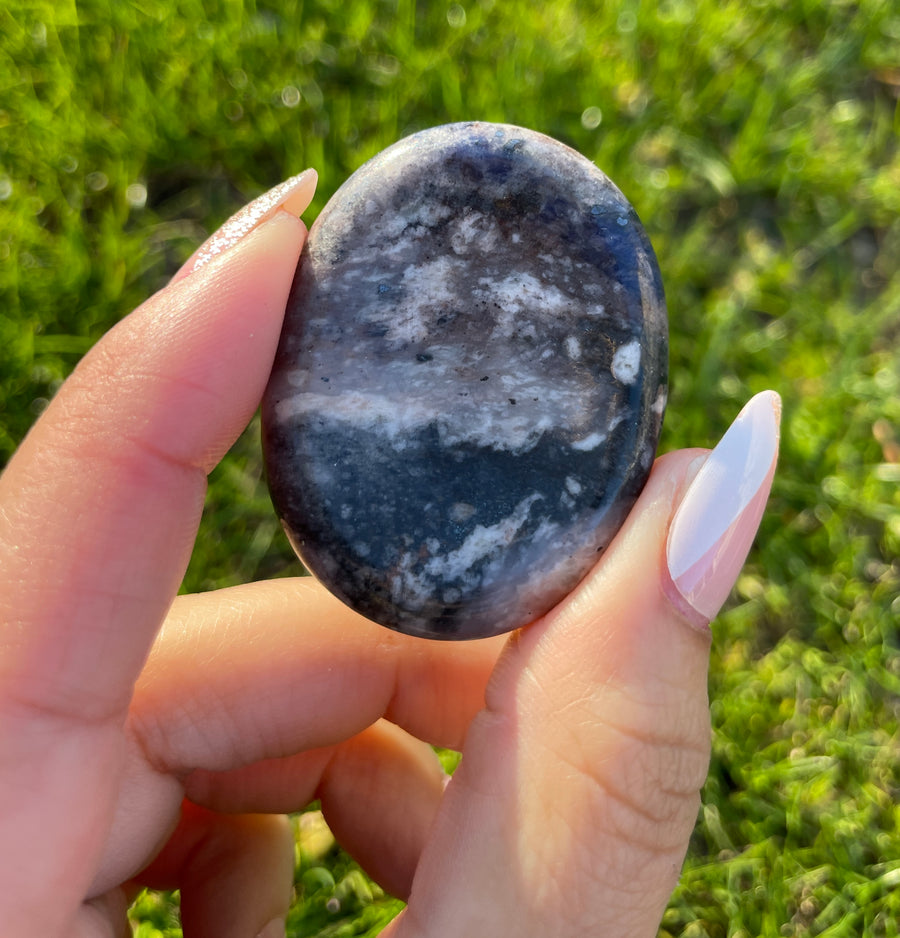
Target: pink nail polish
[(716, 522), (293, 195)]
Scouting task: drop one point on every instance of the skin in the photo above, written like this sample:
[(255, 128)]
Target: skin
[(148, 740)]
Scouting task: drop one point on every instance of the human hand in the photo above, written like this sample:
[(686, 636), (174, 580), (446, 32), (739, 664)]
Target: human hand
[(151, 740)]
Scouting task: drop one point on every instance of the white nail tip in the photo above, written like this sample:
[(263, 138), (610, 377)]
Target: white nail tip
[(716, 522)]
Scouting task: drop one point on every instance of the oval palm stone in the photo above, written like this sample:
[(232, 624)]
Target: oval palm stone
[(470, 383)]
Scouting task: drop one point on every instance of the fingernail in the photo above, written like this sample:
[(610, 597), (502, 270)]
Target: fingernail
[(293, 195), (277, 928), (716, 522)]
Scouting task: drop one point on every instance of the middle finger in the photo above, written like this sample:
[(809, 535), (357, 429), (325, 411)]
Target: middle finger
[(274, 668)]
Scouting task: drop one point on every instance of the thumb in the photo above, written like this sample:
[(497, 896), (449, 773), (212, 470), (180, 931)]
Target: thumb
[(579, 785)]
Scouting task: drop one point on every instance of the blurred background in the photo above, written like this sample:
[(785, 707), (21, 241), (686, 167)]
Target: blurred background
[(758, 141)]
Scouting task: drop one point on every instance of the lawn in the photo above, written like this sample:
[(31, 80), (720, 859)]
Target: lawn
[(758, 142)]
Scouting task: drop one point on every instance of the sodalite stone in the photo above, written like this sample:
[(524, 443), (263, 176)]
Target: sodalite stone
[(470, 382)]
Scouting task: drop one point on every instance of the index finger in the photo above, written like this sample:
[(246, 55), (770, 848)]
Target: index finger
[(101, 502), (98, 510)]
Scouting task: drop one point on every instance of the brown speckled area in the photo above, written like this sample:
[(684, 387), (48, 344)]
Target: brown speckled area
[(470, 383)]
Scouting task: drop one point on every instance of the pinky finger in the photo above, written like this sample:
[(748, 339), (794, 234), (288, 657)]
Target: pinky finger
[(235, 873)]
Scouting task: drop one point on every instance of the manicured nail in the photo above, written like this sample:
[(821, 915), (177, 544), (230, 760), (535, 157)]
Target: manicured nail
[(716, 522), (293, 196), (275, 929)]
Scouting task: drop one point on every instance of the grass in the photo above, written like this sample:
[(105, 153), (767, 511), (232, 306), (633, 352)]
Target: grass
[(758, 142)]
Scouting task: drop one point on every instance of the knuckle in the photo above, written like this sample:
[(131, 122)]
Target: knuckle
[(645, 774)]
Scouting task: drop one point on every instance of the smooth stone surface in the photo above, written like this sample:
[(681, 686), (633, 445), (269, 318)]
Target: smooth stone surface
[(470, 383)]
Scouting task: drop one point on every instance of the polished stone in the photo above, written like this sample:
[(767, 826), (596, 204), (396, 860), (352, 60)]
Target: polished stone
[(470, 383)]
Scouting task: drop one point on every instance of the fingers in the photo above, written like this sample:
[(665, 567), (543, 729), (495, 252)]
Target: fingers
[(102, 500), (579, 784), (265, 671), (235, 872), (269, 669), (98, 509), (380, 796), (379, 791), (292, 196), (104, 917)]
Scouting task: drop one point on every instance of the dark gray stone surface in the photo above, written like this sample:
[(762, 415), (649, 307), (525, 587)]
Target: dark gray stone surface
[(470, 383)]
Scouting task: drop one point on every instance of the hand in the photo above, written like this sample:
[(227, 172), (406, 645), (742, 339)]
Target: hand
[(151, 740)]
